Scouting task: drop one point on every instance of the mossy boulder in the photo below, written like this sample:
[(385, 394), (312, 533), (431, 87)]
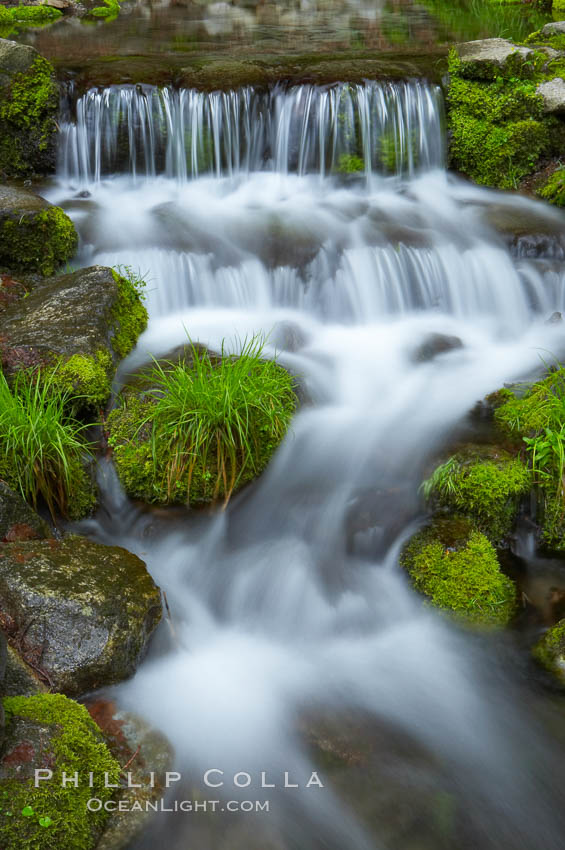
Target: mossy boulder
[(17, 520), (457, 568), (29, 104), (165, 468), (81, 323), (20, 678), (35, 236), (489, 58), (83, 611), (485, 483), (550, 650), (51, 732)]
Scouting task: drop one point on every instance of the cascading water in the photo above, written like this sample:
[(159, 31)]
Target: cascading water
[(288, 607)]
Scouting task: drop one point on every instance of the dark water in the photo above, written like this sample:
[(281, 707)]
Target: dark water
[(182, 31)]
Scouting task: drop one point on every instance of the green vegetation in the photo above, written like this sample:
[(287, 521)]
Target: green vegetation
[(41, 445), (539, 418), (15, 18), (37, 241), (110, 10), (28, 121), (87, 380), (550, 650), (51, 817), (129, 312), (350, 164), (457, 569), (554, 189), (206, 426), (484, 484)]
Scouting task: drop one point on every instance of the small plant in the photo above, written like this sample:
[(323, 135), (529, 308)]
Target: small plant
[(41, 444), (208, 424)]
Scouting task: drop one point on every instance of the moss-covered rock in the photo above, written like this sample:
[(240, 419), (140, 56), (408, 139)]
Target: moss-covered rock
[(17, 520), (80, 324), (148, 465), (483, 482), (34, 235), (550, 650), (553, 189), (84, 611), (29, 102), (456, 567), (21, 680), (52, 732)]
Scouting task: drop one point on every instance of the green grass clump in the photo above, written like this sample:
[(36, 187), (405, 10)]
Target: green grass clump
[(483, 484), (51, 817), (550, 650), (464, 579), (42, 446), (207, 426)]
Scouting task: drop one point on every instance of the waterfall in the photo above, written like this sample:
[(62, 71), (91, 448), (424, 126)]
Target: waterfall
[(378, 127)]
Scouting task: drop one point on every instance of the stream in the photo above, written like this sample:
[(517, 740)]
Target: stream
[(324, 219)]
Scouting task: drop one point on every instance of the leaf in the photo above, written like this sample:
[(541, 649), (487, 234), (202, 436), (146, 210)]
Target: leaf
[(28, 812), (45, 822)]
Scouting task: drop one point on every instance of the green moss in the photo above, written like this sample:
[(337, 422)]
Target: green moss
[(37, 241), (129, 312), (464, 579), (350, 164), (28, 14), (550, 650), (539, 406), (501, 102), (554, 188), (87, 377), (485, 484), (496, 155), (76, 746), (28, 121), (110, 10)]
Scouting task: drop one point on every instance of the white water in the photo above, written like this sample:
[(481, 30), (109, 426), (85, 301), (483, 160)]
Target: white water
[(290, 604)]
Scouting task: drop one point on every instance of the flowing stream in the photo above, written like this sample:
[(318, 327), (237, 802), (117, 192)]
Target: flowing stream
[(324, 219)]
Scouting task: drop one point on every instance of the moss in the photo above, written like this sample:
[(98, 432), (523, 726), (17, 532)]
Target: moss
[(28, 14), (553, 189), (86, 376), (37, 241), (350, 164), (28, 126), (110, 10), (550, 650), (76, 745), (129, 312), (501, 102), (534, 409), (461, 576), (485, 484)]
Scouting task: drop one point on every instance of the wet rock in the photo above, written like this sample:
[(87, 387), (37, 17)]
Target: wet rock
[(555, 318), (490, 57), (21, 679), (287, 336), (131, 740), (10, 290), (433, 345), (553, 28), (553, 94), (34, 235), (550, 650), (52, 733), (82, 611), (84, 322), (29, 104), (17, 520), (3, 647), (529, 233)]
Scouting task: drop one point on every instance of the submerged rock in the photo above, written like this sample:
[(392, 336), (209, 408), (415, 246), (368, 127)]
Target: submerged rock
[(457, 568), (29, 104), (82, 323), (52, 733), (34, 235), (433, 345), (83, 611), (17, 520)]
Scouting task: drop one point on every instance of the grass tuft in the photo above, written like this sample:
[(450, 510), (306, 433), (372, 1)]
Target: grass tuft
[(41, 444)]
